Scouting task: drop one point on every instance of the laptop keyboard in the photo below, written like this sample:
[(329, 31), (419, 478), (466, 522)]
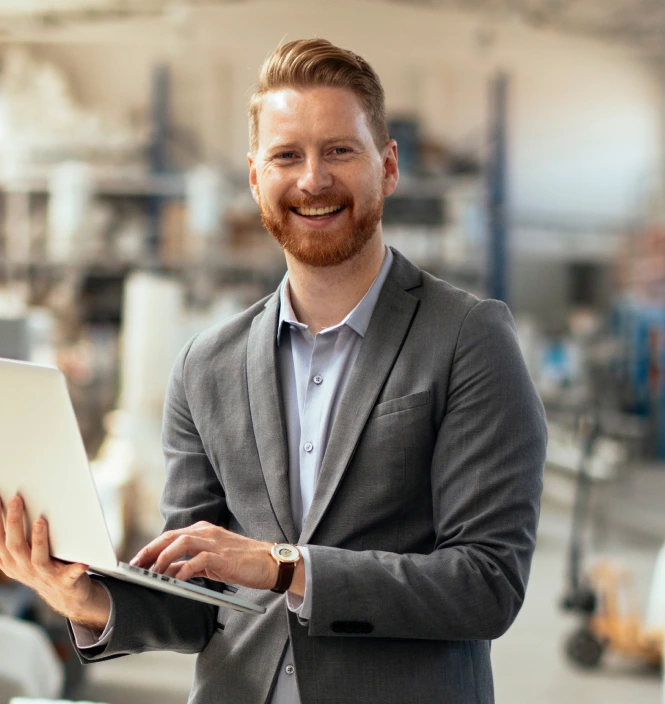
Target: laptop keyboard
[(228, 588)]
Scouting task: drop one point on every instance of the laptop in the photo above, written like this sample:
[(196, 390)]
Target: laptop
[(44, 460)]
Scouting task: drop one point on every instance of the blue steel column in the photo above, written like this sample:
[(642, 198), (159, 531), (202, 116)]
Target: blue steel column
[(157, 158), (498, 244)]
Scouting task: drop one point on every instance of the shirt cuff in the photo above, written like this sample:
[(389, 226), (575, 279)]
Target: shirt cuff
[(87, 637), (302, 605)]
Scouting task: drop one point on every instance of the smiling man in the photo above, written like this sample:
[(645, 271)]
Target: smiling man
[(361, 452)]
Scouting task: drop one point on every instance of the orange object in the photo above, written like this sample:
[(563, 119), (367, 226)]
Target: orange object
[(616, 623)]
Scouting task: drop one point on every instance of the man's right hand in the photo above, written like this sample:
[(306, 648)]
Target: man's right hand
[(66, 588)]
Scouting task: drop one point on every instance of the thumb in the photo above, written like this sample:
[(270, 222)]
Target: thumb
[(75, 572)]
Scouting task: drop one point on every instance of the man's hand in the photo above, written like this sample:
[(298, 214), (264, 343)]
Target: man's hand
[(214, 553), (65, 587)]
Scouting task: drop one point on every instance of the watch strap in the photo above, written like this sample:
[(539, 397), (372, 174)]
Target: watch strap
[(284, 576)]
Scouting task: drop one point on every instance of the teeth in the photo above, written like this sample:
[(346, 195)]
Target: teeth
[(318, 211)]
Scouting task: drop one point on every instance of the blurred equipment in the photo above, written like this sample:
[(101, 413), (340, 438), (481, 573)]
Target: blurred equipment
[(497, 189), (151, 338), (208, 197), (31, 700), (71, 190), (580, 595), (14, 341), (615, 624), (152, 316), (29, 664), (606, 598), (655, 615), (43, 124)]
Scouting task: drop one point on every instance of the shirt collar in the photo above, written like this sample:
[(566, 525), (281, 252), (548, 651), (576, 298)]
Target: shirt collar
[(358, 319)]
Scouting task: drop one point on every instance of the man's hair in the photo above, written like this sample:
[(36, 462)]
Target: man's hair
[(314, 63)]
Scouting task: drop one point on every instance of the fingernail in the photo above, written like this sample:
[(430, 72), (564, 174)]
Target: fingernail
[(15, 501), (134, 561), (39, 527)]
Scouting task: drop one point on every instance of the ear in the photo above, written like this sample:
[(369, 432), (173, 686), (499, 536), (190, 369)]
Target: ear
[(390, 168), (253, 185)]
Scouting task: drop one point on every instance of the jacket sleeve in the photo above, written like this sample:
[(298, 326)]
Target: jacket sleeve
[(486, 482), (146, 619)]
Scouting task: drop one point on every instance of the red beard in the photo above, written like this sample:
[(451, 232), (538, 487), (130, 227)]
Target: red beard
[(334, 245)]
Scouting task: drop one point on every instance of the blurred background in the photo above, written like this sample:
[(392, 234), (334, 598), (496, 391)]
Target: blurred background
[(532, 152)]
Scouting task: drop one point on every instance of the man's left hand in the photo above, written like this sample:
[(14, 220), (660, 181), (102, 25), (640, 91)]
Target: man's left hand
[(214, 553)]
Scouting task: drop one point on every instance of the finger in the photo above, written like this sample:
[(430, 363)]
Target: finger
[(184, 545), (200, 564), (173, 569), (3, 549), (40, 556), (147, 556), (3, 537), (17, 545)]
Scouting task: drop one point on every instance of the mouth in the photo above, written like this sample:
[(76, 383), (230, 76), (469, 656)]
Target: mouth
[(319, 213)]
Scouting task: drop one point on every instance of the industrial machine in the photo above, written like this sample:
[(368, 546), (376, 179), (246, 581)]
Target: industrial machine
[(605, 597)]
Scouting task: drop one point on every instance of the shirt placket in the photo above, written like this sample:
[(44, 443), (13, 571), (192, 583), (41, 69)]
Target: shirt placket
[(317, 397)]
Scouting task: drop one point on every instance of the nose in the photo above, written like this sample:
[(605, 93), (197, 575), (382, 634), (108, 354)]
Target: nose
[(315, 176)]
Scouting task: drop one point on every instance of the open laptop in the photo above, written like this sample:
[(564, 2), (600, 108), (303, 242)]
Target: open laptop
[(43, 459)]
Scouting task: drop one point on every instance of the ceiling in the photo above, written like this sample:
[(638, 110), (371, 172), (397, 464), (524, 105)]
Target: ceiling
[(639, 23)]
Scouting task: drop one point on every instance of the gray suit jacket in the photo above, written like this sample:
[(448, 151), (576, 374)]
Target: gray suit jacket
[(424, 519)]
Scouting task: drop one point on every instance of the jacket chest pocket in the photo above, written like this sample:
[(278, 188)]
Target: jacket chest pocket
[(389, 473)]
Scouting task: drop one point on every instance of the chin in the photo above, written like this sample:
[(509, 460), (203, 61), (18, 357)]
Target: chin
[(315, 251)]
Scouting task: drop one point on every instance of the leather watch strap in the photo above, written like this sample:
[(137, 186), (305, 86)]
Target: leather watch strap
[(284, 577)]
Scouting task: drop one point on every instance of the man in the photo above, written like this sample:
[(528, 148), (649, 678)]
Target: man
[(376, 417)]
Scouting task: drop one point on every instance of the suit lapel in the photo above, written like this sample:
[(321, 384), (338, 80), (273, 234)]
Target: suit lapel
[(385, 335), (265, 403)]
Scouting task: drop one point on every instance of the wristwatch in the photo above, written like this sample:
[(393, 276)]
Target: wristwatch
[(287, 557)]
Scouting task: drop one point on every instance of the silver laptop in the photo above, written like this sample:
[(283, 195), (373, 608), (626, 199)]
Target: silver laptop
[(43, 459)]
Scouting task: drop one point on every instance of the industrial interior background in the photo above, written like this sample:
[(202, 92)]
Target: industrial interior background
[(532, 154)]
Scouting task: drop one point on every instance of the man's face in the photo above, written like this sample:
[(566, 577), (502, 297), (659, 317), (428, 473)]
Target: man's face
[(317, 175)]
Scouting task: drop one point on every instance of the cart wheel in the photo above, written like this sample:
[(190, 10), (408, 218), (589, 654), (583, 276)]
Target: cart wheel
[(584, 648)]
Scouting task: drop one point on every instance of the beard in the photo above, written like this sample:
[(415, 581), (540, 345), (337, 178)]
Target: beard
[(334, 245)]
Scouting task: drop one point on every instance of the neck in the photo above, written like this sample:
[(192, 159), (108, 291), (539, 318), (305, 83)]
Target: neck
[(323, 296)]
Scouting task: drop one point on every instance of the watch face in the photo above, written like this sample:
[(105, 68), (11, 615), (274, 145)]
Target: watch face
[(285, 553)]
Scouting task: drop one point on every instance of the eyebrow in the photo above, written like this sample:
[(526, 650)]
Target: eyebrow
[(290, 146), (343, 139)]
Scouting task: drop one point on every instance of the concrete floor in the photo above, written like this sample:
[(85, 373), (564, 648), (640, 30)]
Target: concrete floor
[(529, 665)]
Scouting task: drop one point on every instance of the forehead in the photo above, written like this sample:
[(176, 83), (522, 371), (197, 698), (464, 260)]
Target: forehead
[(290, 115)]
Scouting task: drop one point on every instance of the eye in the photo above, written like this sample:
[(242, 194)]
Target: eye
[(341, 150), (286, 155)]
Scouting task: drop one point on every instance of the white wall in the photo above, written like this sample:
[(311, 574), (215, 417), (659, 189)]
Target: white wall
[(585, 118)]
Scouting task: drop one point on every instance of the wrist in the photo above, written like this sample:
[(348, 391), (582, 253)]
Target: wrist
[(95, 610), (298, 582), (273, 568)]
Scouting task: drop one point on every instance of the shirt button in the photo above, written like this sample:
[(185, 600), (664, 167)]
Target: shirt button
[(317, 379), (308, 447), (289, 669)]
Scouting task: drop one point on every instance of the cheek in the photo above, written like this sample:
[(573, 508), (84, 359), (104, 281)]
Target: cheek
[(366, 183), (272, 189)]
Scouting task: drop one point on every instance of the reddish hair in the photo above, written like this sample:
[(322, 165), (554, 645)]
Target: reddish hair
[(313, 63)]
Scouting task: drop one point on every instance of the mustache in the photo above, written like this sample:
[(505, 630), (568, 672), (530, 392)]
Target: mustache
[(323, 200)]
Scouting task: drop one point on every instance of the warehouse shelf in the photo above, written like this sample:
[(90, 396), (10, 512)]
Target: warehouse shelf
[(120, 184)]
